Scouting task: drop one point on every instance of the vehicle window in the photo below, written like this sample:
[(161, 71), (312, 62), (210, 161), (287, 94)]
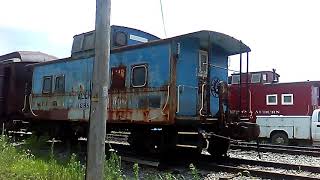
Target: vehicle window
[(256, 78), (59, 84), (139, 76), (120, 39), (203, 63), (235, 79), (319, 117), (47, 84), (287, 99), (264, 77), (118, 77), (272, 99)]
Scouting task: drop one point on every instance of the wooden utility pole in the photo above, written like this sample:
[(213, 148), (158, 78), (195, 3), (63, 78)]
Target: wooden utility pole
[(99, 94)]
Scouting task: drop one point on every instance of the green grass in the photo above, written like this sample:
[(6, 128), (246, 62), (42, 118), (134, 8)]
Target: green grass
[(20, 163)]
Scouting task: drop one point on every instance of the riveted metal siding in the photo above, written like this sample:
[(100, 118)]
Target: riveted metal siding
[(74, 103), (125, 105), (187, 77), (136, 104), (218, 70)]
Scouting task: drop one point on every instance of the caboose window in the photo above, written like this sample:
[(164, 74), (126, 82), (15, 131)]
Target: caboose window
[(256, 78), (139, 76), (287, 99), (118, 77), (47, 84), (264, 77), (272, 99), (59, 84), (203, 63), (235, 79), (120, 39)]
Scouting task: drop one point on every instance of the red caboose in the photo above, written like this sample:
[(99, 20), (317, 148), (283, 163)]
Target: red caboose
[(264, 95)]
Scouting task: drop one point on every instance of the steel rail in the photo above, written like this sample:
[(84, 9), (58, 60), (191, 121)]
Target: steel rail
[(233, 165), (309, 148), (253, 172), (283, 150), (239, 161)]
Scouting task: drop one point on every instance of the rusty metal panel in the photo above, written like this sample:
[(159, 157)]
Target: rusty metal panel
[(134, 105), (127, 103), (74, 100)]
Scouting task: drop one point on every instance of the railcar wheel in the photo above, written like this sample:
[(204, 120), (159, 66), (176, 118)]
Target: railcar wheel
[(279, 138), (218, 147)]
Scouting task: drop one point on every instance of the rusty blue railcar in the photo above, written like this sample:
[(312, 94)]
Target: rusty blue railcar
[(167, 93)]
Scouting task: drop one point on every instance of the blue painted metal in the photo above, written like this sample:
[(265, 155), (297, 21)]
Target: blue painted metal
[(133, 32), (84, 43), (218, 70), (149, 103), (187, 77)]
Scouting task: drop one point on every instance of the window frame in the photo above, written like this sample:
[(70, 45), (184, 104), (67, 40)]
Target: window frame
[(200, 72), (43, 79), (112, 85), (286, 103), (145, 77), (271, 103), (264, 77), (254, 74), (233, 77), (64, 84), (115, 42)]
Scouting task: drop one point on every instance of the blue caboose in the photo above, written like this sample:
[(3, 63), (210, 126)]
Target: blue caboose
[(166, 92)]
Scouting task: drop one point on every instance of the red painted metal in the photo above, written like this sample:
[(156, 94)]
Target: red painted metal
[(256, 103)]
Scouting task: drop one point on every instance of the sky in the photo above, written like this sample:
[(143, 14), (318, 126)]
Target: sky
[(282, 34)]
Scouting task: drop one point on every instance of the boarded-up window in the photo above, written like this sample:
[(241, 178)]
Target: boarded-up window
[(118, 77), (47, 85), (59, 84), (139, 76)]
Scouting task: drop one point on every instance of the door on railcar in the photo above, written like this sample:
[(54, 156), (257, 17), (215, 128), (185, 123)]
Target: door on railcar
[(4, 86), (188, 80)]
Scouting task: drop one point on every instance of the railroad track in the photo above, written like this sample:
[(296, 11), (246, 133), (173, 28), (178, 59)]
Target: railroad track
[(294, 150), (263, 169), (255, 168)]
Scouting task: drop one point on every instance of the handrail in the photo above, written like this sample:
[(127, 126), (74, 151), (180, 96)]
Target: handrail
[(181, 85), (178, 100), (202, 99), (24, 103), (167, 100), (30, 99)]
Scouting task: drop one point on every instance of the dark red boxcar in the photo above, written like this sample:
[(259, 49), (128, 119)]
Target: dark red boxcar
[(264, 95), (13, 79)]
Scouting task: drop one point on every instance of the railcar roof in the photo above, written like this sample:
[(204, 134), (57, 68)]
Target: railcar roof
[(116, 26), (295, 82), (27, 56), (228, 44), (254, 72)]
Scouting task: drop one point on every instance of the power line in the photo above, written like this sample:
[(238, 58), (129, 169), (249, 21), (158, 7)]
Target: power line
[(163, 23)]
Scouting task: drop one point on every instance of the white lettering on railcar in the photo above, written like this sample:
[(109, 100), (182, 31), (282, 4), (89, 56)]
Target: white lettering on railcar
[(138, 38)]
